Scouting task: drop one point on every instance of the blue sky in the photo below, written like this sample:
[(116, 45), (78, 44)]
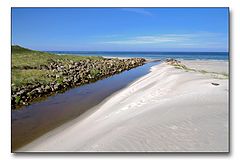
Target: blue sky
[(121, 29)]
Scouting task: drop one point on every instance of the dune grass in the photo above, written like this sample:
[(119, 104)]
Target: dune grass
[(213, 74)]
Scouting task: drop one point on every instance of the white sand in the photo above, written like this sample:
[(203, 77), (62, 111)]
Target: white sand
[(169, 109), (210, 65)]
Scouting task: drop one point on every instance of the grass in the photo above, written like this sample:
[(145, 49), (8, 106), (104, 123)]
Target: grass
[(25, 63), (94, 72), (22, 57), (213, 74), (23, 77)]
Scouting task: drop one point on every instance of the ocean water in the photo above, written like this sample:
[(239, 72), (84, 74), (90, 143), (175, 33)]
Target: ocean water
[(152, 55)]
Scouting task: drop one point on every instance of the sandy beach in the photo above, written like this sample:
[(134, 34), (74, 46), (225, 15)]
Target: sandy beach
[(168, 110)]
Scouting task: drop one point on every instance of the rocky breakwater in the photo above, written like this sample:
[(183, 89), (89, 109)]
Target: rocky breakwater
[(172, 61), (176, 63), (67, 75)]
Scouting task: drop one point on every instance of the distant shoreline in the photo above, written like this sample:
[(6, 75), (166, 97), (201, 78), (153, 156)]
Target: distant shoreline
[(152, 55)]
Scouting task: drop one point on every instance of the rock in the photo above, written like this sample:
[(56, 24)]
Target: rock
[(57, 76), (215, 84), (21, 92), (76, 63), (39, 90), (25, 103), (72, 74), (132, 62), (47, 88), (172, 61), (42, 86), (70, 66), (52, 87), (57, 86), (43, 67), (59, 68), (33, 92)]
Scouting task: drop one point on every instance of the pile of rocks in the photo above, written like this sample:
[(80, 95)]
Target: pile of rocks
[(70, 74), (172, 61), (175, 63)]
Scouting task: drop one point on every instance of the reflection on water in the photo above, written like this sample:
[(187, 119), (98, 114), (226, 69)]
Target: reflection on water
[(32, 121)]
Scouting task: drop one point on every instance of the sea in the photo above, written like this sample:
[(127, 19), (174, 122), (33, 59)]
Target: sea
[(152, 55)]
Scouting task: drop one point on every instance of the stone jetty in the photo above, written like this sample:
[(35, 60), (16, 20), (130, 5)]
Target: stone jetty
[(69, 75)]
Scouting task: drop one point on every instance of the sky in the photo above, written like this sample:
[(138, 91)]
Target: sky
[(121, 29)]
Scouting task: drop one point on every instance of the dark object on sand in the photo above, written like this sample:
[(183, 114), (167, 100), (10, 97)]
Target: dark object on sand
[(215, 84)]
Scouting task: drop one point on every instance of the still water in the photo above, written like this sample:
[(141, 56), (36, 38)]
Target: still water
[(33, 121)]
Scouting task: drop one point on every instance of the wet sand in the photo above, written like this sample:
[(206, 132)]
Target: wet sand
[(35, 120)]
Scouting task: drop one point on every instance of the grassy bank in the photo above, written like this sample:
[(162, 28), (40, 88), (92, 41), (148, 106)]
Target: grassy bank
[(36, 74), (28, 65)]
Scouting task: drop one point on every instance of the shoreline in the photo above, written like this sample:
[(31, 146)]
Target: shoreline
[(36, 75), (134, 103), (61, 108)]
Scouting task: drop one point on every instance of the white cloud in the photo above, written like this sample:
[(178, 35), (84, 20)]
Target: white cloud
[(151, 39), (190, 39)]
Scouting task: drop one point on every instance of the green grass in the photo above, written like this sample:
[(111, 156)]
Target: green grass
[(94, 72), (23, 77), (214, 74), (23, 58)]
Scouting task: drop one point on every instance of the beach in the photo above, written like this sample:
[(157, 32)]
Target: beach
[(167, 110), (31, 122)]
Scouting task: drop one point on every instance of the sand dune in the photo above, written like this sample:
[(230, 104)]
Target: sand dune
[(169, 109), (219, 66)]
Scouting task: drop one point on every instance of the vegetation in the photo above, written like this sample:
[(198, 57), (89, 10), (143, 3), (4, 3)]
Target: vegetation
[(94, 72), (36, 74), (23, 76), (213, 74), (26, 65)]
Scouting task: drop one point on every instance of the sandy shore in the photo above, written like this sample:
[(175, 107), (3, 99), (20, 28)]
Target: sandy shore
[(169, 109)]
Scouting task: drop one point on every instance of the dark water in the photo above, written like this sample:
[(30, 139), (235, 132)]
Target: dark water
[(39, 118), (153, 55)]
